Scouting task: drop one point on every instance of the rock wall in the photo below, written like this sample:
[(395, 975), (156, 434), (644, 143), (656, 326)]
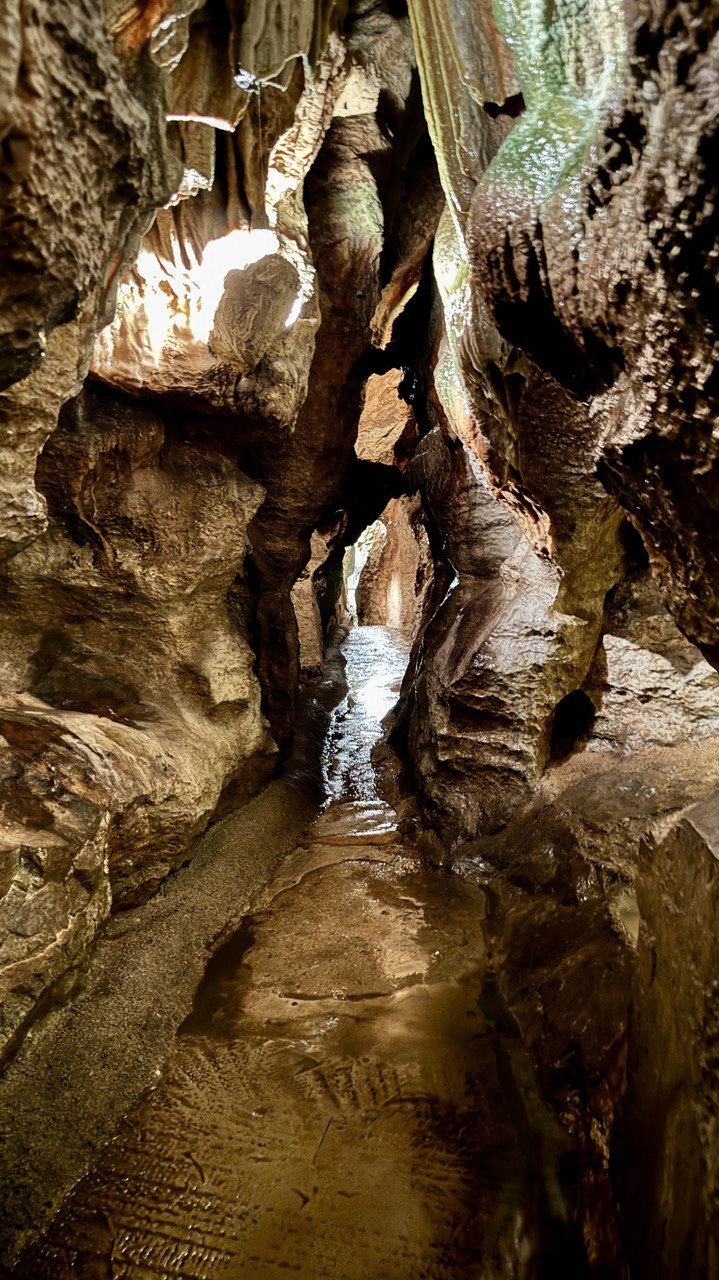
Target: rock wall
[(206, 224), (566, 383), (672, 1104), (129, 695), (397, 576), (271, 272)]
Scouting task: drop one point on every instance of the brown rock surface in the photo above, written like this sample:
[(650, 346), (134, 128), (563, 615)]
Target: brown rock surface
[(130, 698), (272, 272), (673, 1104), (385, 418), (397, 575), (497, 656), (253, 311), (143, 585), (595, 264), (360, 237)]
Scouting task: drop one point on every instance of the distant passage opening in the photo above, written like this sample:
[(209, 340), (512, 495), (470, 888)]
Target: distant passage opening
[(385, 575), (572, 723), (373, 540), (388, 570)]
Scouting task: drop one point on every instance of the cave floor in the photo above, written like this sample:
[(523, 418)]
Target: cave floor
[(334, 1106)]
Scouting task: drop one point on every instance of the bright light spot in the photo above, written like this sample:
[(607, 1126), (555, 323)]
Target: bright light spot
[(376, 696), (355, 560), (297, 306), (155, 300), (234, 252), (394, 602), (175, 299)]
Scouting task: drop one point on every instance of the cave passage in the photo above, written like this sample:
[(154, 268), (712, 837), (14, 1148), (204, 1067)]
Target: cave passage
[(375, 338), (355, 561), (337, 1103)]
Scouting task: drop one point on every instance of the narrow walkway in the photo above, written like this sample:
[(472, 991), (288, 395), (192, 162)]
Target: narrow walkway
[(88, 1061), (332, 1107)]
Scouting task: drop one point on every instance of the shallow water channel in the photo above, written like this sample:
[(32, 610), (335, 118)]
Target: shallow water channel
[(334, 1105)]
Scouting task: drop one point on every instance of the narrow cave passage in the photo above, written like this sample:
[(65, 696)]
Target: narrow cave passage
[(335, 1104), (377, 337)]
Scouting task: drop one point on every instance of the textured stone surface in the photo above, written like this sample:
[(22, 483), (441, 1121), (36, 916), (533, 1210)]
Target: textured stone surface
[(597, 265), (254, 310), (578, 367), (310, 629), (85, 1065), (613, 857), (551, 372), (497, 656), (130, 700), (673, 1104), (385, 419), (644, 663), (447, 266), (397, 576), (307, 1080), (85, 161), (129, 696), (363, 239)]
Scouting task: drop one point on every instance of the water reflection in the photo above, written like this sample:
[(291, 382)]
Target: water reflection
[(376, 661), (333, 1106)]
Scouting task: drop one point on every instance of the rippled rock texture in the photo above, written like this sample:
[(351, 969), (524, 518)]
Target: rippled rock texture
[(219, 190), (273, 272)]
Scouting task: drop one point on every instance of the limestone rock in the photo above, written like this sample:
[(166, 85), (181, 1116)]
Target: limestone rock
[(464, 65), (650, 686), (497, 655), (253, 311), (385, 419), (310, 630), (672, 1189), (595, 263), (87, 163), (129, 697), (361, 238), (273, 272), (397, 576)]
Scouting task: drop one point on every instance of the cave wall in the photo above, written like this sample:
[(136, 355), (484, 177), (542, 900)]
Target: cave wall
[(206, 223), (271, 272), (588, 233), (397, 575), (560, 709)]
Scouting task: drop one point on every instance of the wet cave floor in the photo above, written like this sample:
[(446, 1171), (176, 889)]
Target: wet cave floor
[(334, 1106)]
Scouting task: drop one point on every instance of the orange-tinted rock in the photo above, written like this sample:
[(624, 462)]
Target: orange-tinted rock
[(397, 576)]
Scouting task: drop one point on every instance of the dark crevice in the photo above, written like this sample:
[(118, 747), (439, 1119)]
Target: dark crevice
[(572, 723)]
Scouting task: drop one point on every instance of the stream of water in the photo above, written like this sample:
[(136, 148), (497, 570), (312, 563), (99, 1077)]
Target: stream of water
[(333, 1106)]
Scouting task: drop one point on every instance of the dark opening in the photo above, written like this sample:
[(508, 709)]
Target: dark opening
[(636, 552), (572, 723)]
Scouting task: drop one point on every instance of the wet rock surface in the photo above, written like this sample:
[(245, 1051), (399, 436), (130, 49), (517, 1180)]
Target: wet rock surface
[(350, 1093), (673, 1108), (285, 1133), (85, 1064), (271, 273)]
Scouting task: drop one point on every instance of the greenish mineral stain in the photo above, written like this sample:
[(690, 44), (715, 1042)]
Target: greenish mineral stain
[(568, 55)]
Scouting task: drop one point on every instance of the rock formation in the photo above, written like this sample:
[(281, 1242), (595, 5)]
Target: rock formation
[(275, 271)]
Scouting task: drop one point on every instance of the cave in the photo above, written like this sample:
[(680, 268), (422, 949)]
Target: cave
[(359, 661), (571, 723)]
